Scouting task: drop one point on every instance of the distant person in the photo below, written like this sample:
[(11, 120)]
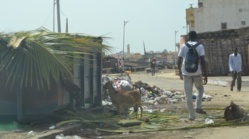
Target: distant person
[(235, 67), (191, 72), (115, 67), (153, 66), (120, 65)]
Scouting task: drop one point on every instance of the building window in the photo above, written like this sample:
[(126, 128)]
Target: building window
[(223, 26), (243, 22), (200, 4)]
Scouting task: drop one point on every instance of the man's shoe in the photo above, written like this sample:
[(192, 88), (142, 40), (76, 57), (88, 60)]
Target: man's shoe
[(191, 119), (200, 111)]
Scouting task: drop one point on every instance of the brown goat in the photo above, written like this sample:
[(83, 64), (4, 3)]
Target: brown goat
[(124, 99)]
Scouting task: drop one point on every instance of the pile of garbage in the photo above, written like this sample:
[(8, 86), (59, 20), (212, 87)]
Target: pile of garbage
[(151, 95), (155, 95)]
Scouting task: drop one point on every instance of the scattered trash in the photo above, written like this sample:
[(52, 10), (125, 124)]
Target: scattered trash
[(87, 105), (52, 127), (61, 136), (31, 133), (162, 110), (204, 97), (97, 132), (149, 110), (208, 121), (105, 102), (125, 133), (150, 95), (122, 84), (105, 79)]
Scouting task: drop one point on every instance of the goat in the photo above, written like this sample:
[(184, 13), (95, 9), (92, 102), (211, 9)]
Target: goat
[(124, 99)]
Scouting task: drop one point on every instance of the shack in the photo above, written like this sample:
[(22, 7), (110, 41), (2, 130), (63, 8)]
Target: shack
[(110, 65), (40, 69)]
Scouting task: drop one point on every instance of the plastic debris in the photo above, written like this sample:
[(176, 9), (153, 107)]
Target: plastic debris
[(125, 133), (31, 133), (52, 127), (61, 136), (150, 95), (208, 121), (122, 84), (205, 97)]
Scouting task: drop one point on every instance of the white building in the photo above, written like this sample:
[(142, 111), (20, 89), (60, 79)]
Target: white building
[(214, 15)]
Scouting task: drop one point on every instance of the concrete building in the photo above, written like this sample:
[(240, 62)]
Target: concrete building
[(214, 15), (222, 26)]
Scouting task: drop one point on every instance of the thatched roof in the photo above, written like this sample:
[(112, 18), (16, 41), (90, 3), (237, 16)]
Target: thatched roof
[(34, 57)]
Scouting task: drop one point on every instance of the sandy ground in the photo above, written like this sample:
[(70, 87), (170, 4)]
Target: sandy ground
[(222, 97)]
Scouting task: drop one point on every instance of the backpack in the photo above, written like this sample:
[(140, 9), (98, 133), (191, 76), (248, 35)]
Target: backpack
[(192, 58)]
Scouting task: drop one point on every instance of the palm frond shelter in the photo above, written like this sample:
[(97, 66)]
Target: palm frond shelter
[(37, 67)]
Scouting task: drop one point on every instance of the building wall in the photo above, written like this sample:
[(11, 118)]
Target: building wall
[(170, 56), (220, 44), (214, 12), (190, 18)]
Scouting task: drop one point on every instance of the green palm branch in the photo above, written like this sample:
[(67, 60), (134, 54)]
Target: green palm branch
[(35, 58)]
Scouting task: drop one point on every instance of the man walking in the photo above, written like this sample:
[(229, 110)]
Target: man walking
[(191, 73), (235, 63)]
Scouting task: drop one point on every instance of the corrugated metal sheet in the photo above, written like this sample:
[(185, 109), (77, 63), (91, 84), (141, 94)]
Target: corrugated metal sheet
[(88, 78), (220, 44)]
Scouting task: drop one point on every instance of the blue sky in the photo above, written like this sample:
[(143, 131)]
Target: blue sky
[(151, 21)]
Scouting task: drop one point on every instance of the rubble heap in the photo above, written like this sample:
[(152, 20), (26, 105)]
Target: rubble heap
[(151, 95)]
